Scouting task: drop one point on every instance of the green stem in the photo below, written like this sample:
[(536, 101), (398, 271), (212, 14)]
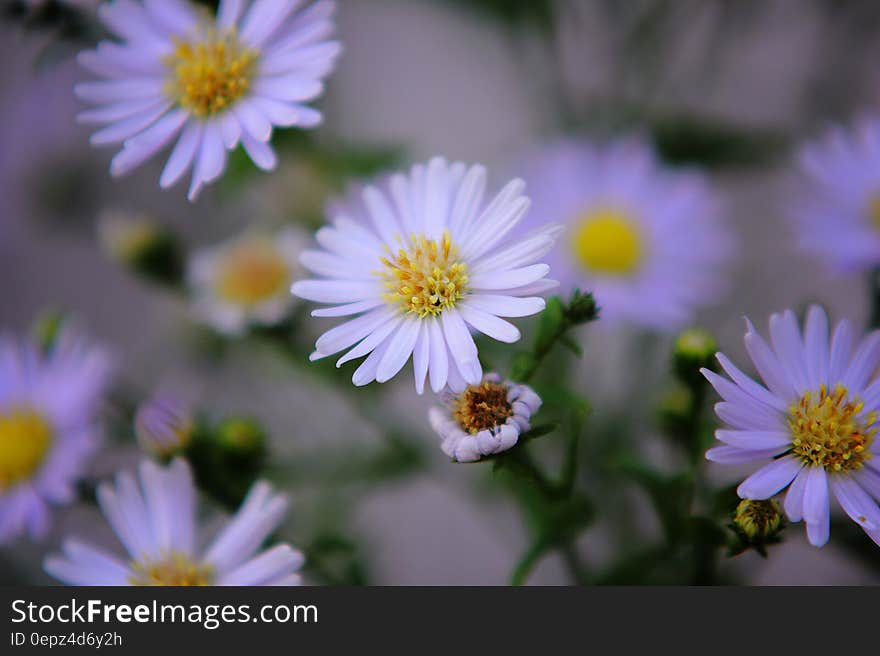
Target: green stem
[(576, 567), (527, 563)]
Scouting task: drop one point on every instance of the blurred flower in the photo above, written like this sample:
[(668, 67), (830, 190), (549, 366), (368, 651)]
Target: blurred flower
[(241, 437), (645, 239), (836, 212), (216, 82), (156, 523), (142, 245), (164, 425), (693, 351), (421, 259), (816, 420), (48, 431), (246, 280), (484, 419)]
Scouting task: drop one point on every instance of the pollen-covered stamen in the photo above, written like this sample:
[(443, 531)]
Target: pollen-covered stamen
[(25, 438), (176, 569), (425, 276), (830, 430), (208, 76), (481, 407)]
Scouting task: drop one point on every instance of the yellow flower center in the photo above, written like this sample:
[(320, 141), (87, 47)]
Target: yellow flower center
[(481, 407), (175, 570), (25, 438), (425, 276), (251, 272), (608, 241), (207, 77), (828, 430)]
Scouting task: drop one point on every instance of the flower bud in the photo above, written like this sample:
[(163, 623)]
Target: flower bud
[(142, 245), (694, 348), (46, 329), (757, 522), (582, 308), (241, 437), (164, 426)]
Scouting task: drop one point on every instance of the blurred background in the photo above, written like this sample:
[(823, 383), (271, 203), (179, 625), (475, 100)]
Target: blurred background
[(729, 85)]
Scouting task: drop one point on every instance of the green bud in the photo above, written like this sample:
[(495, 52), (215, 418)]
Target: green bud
[(241, 437), (227, 458), (142, 245), (694, 349), (757, 523), (46, 329), (582, 308)]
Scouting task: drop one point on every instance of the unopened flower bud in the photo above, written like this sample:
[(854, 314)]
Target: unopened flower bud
[(582, 308), (241, 437), (164, 425), (46, 329), (756, 522), (142, 245), (694, 349)]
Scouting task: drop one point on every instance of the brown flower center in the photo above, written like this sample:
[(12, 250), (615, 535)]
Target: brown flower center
[(482, 406)]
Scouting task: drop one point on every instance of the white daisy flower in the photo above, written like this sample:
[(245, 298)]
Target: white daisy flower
[(836, 211), (156, 523), (214, 81), (644, 238), (246, 280), (48, 428), (423, 259), (484, 419), (814, 419)]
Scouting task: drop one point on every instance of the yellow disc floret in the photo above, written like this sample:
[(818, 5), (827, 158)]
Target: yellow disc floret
[(208, 76), (176, 569), (425, 277), (25, 438), (830, 430), (250, 272), (607, 241)]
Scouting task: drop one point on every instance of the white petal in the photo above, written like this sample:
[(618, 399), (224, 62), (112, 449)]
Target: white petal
[(855, 501), (794, 498), (506, 306), (489, 324), (499, 280), (438, 369), (183, 154), (816, 346), (261, 153), (335, 291), (399, 350), (140, 148), (421, 356), (770, 479)]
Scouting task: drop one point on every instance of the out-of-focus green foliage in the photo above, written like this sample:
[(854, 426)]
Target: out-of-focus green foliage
[(539, 14)]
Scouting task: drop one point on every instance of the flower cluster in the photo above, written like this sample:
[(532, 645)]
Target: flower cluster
[(814, 418)]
